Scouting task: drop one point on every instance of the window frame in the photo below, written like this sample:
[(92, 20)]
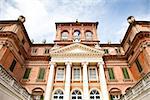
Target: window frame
[(62, 37), (87, 37), (58, 95), (96, 79), (113, 74), (34, 50), (118, 50), (28, 74), (99, 94), (127, 72), (39, 73), (47, 50), (106, 51), (76, 38), (13, 65), (138, 65), (1, 28), (73, 74), (76, 95), (57, 79)]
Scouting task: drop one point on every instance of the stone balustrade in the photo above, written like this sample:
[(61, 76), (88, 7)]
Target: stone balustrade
[(138, 88), (7, 79)]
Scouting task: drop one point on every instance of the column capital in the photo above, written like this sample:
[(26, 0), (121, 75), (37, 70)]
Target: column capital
[(52, 63), (85, 63), (68, 63), (101, 63)]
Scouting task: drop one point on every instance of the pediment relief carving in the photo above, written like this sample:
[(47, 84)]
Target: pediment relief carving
[(77, 49)]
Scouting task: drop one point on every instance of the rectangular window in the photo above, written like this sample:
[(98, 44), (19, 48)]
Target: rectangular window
[(106, 51), (76, 74), (138, 65), (125, 73), (46, 51), (92, 74), (1, 28), (27, 73), (60, 73), (34, 50), (13, 64), (41, 74), (118, 51), (23, 41), (111, 73)]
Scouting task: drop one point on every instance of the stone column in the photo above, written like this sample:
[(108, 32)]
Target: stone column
[(85, 82), (103, 83), (50, 82), (67, 82)]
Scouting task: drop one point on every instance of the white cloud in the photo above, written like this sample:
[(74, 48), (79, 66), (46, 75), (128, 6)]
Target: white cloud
[(41, 15)]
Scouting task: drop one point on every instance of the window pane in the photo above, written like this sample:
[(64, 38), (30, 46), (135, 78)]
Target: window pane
[(106, 51), (76, 73), (64, 35), (13, 64), (138, 65), (125, 73), (27, 73), (46, 51), (41, 73), (60, 74), (88, 35), (92, 73), (94, 94), (111, 73)]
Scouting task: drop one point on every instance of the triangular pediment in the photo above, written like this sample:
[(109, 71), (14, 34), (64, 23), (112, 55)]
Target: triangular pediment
[(75, 49)]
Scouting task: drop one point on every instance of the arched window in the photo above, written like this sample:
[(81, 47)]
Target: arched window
[(37, 93), (94, 95), (76, 95), (88, 35), (58, 95), (76, 36), (64, 35), (115, 94)]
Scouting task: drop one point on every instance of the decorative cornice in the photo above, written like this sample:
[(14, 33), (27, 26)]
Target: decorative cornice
[(13, 36), (39, 58)]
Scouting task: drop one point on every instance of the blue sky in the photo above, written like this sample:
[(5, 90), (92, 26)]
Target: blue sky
[(41, 15)]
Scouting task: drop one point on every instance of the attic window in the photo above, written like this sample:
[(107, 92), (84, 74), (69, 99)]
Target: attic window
[(106, 51), (1, 28), (46, 51), (118, 51), (34, 50), (23, 40)]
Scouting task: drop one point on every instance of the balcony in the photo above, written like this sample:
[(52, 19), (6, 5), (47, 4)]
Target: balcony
[(140, 91), (11, 88)]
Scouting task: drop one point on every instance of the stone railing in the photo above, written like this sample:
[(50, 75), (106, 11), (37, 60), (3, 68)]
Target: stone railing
[(9, 82), (141, 86)]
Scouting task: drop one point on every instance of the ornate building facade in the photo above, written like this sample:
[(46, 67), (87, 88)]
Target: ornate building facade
[(76, 66)]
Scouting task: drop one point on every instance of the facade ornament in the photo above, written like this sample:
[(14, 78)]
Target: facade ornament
[(21, 19), (55, 47)]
